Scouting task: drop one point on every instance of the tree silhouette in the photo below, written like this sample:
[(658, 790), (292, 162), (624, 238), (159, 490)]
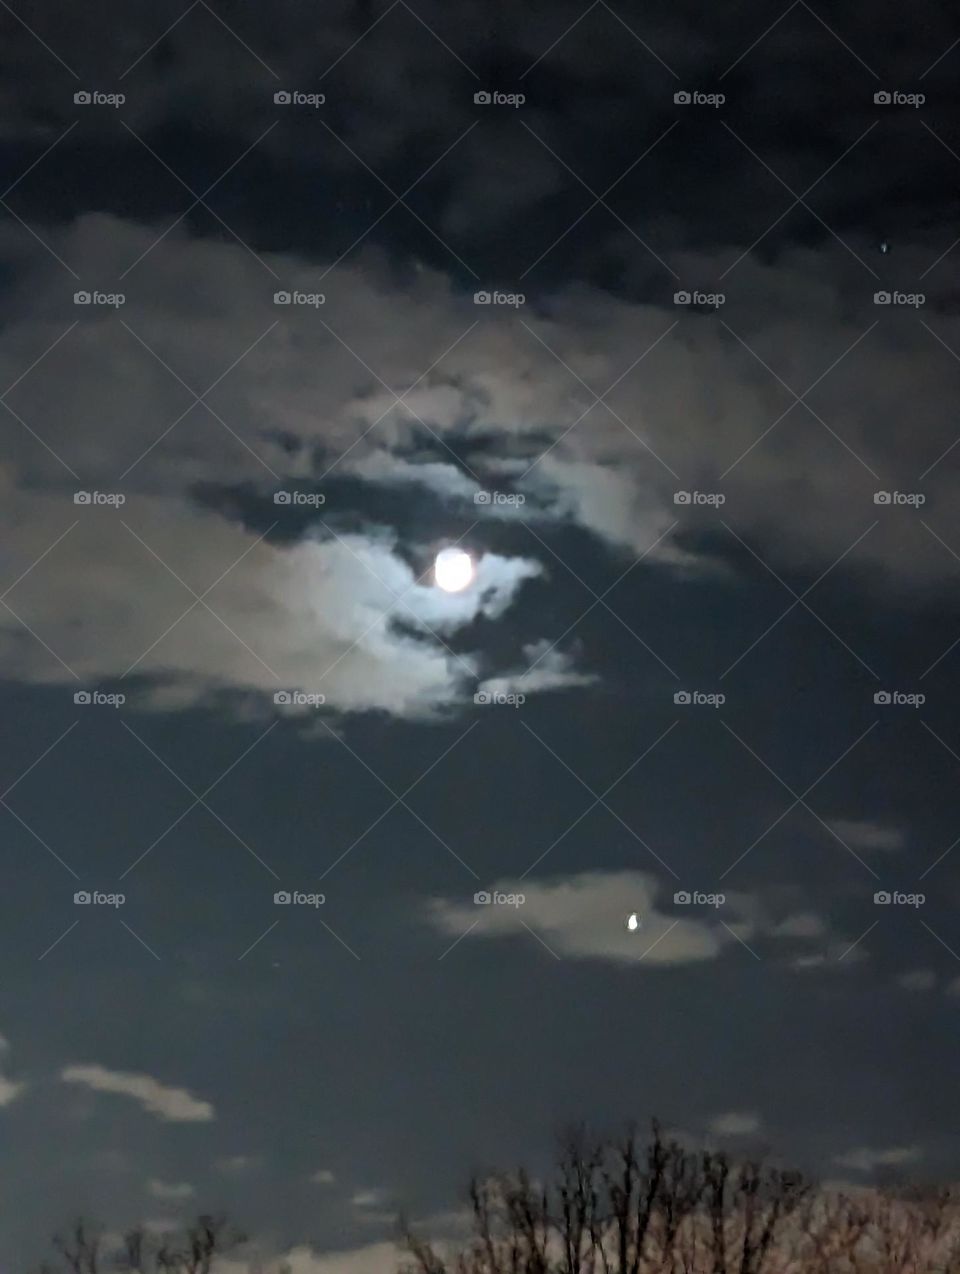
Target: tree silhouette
[(624, 1206), (83, 1249)]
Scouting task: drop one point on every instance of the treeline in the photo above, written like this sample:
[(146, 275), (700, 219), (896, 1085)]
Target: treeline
[(627, 1205)]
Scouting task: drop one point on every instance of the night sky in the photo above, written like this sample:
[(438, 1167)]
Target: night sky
[(651, 310)]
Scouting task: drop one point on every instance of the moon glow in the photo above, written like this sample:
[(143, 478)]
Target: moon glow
[(453, 570)]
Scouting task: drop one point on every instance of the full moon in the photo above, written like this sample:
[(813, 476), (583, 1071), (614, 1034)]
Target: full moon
[(453, 570)]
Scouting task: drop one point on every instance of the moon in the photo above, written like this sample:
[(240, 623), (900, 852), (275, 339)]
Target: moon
[(453, 570)]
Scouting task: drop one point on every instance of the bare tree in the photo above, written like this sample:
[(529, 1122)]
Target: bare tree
[(79, 1249), (195, 1251), (624, 1207)]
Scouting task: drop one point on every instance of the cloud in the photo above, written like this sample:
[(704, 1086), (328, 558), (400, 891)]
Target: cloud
[(323, 1177), (918, 980), (368, 1198), (865, 1159), (372, 1258), (171, 1191), (337, 612), (173, 1104), (702, 401), (163, 1225), (840, 954), (371, 1207), (863, 834), (584, 917), (545, 669), (441, 477), (735, 1123), (315, 616), (344, 614), (237, 1165), (804, 924), (9, 1089)]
